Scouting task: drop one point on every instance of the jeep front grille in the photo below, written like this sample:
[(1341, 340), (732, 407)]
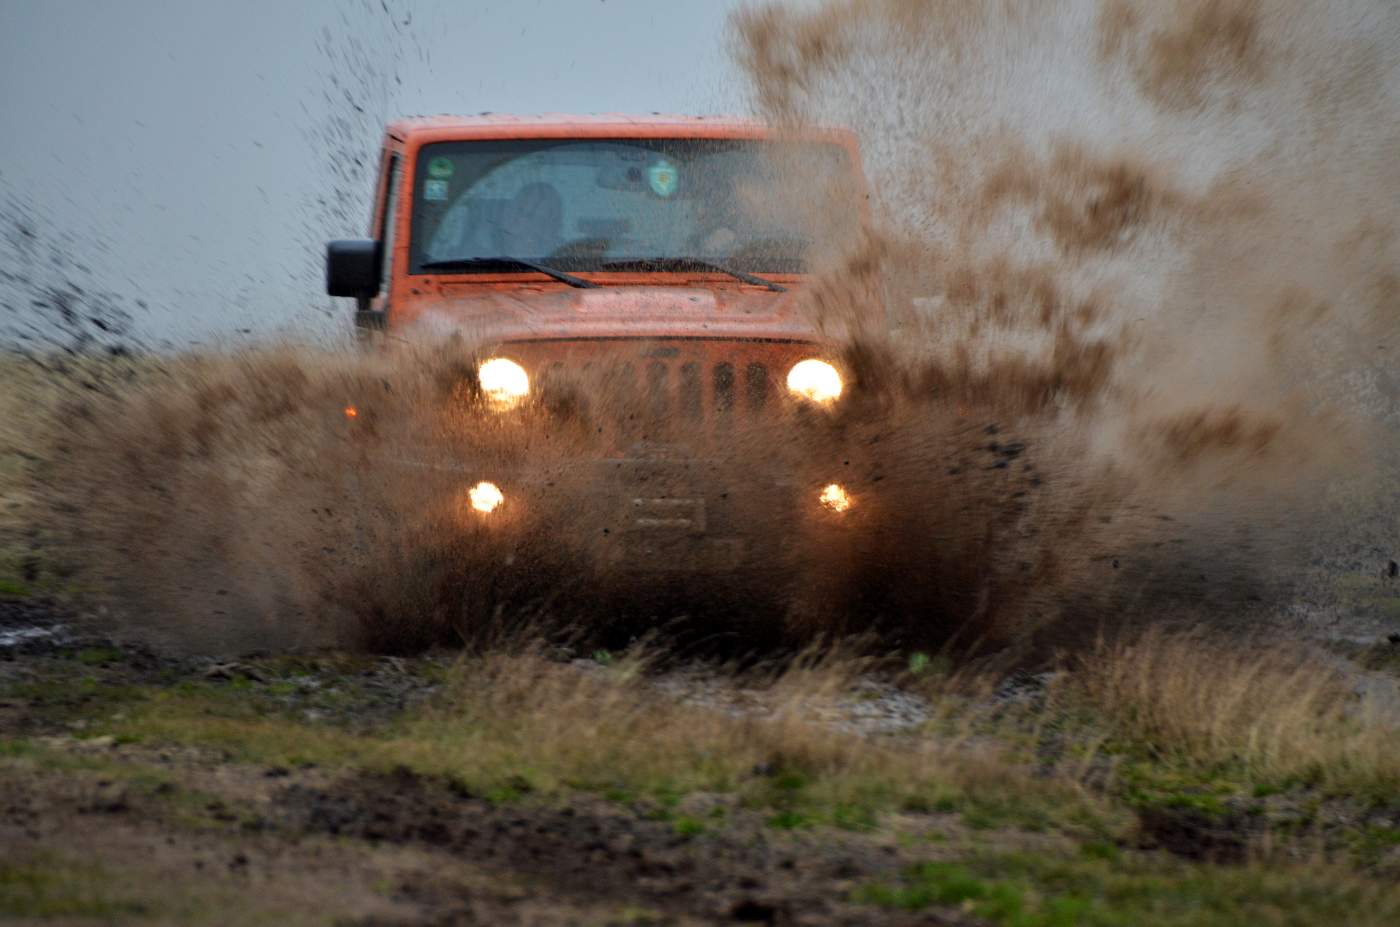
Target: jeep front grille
[(756, 387), (666, 390), (689, 393)]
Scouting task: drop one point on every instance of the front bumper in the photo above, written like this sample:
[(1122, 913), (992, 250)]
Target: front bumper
[(648, 515)]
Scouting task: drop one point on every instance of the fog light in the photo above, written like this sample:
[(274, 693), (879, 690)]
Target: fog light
[(835, 499), (486, 497)]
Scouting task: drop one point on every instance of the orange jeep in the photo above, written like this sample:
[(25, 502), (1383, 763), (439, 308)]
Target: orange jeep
[(668, 251)]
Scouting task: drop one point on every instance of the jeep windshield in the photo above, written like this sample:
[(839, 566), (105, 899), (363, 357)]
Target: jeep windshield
[(725, 205)]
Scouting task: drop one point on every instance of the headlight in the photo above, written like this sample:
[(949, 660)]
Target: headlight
[(504, 382), (486, 497), (816, 380), (834, 498)]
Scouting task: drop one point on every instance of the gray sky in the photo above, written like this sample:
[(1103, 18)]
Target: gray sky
[(181, 143)]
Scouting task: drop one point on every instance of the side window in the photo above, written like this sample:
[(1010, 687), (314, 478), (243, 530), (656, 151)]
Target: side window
[(387, 221)]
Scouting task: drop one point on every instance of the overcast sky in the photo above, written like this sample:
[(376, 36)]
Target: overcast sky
[(182, 144)]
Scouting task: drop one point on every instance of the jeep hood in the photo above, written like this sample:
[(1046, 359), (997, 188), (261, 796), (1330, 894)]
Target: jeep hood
[(527, 313)]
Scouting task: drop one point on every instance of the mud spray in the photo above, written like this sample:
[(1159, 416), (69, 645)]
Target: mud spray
[(1119, 323)]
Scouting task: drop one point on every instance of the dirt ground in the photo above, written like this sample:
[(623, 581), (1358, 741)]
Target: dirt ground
[(400, 849), (106, 816), (162, 834)]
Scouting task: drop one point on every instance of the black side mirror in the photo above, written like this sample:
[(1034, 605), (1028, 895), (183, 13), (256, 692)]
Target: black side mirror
[(352, 268)]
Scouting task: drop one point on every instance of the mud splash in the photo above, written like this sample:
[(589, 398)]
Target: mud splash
[(1044, 157), (284, 497), (1164, 229), (1116, 328)]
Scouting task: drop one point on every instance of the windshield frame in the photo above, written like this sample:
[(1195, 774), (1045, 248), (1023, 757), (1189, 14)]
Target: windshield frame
[(418, 153)]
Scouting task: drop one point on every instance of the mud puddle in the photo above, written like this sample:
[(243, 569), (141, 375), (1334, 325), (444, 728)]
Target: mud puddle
[(25, 624)]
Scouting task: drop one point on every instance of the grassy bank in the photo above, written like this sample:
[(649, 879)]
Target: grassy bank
[(1171, 779)]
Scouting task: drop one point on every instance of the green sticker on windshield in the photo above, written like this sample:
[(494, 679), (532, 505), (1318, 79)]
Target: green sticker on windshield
[(663, 178), (440, 168)]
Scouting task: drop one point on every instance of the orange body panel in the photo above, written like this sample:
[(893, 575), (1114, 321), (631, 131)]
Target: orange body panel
[(504, 308)]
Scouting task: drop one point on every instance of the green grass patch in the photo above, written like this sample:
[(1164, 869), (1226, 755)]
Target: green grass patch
[(948, 885), (140, 781), (789, 819), (686, 826), (1373, 844), (60, 699), (13, 589), (98, 656), (247, 732), (67, 888), (1093, 889), (19, 753), (52, 887)]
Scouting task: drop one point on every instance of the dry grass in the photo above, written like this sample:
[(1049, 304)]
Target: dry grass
[(1023, 832), (1281, 713), (1193, 714), (514, 723), (553, 727)]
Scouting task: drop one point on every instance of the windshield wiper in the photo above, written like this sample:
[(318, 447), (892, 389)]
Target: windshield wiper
[(690, 263), (468, 263)]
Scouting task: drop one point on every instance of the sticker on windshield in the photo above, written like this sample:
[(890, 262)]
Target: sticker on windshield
[(663, 178), (435, 191), (440, 168)]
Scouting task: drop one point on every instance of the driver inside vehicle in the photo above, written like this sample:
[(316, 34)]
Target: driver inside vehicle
[(715, 221), (531, 223)]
